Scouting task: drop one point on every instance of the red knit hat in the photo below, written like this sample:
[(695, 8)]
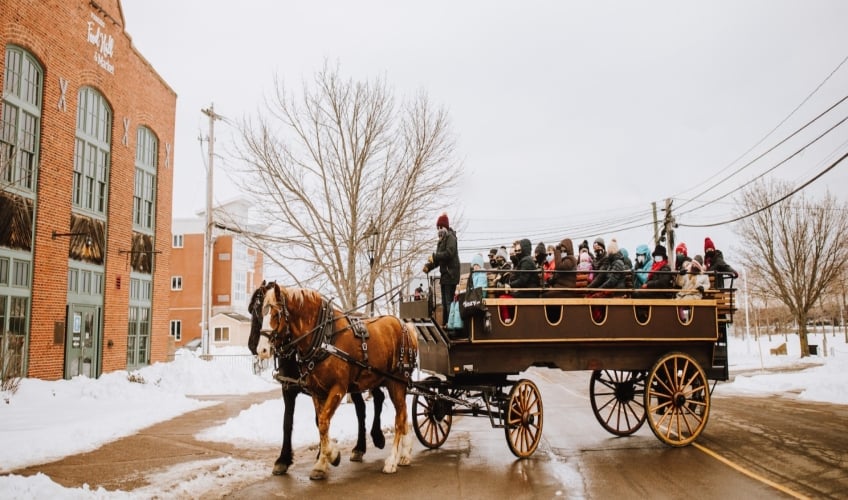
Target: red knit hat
[(708, 244), (442, 221), (681, 248)]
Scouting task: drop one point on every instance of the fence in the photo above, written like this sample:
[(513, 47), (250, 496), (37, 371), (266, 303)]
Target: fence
[(233, 362)]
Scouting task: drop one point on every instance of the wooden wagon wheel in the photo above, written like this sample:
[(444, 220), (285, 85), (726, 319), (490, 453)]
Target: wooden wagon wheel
[(618, 399), (523, 418), (432, 417), (677, 399)]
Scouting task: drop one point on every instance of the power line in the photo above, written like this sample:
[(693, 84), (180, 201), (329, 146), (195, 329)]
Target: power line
[(804, 101), (791, 193)]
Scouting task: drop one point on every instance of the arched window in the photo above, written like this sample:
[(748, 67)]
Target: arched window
[(144, 195), (91, 153), (19, 125)]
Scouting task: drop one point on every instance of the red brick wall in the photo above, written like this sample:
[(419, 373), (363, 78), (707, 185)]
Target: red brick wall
[(186, 303), (55, 33)]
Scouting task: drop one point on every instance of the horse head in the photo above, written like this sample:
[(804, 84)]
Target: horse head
[(257, 342)]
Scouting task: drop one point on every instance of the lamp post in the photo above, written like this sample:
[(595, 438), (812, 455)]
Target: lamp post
[(372, 234)]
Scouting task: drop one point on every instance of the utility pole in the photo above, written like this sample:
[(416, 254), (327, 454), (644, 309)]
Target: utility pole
[(207, 235), (656, 224), (668, 229)]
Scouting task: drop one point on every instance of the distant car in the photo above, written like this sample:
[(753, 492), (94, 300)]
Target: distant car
[(193, 344)]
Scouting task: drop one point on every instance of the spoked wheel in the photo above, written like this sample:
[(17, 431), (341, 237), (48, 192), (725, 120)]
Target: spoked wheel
[(618, 400), (677, 399), (523, 419), (431, 417)]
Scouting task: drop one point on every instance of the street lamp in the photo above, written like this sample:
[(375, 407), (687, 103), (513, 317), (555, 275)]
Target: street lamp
[(372, 234)]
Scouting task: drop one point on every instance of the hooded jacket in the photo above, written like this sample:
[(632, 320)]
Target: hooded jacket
[(643, 270), (564, 277), (525, 278)]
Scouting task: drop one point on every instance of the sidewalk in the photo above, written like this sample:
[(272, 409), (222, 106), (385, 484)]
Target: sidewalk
[(127, 463)]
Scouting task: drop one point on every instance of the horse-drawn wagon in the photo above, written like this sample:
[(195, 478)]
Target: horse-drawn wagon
[(651, 359)]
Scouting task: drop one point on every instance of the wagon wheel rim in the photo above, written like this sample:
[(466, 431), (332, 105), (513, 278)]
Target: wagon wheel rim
[(431, 420), (618, 400), (677, 399), (523, 419)]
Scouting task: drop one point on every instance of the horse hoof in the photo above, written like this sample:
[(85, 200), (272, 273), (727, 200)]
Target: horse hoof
[(389, 469), (356, 456), (379, 439), (405, 461), (280, 469), (337, 459), (317, 474)]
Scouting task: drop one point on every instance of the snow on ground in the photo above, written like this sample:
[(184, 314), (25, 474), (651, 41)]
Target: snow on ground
[(44, 421)]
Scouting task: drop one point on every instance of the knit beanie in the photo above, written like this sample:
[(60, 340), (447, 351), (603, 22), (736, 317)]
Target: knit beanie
[(660, 250), (600, 241), (708, 244), (681, 248), (442, 221), (613, 246)]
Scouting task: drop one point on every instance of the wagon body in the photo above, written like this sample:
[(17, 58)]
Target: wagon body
[(651, 359)]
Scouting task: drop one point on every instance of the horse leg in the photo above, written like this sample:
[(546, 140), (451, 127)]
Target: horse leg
[(324, 411), (376, 428), (401, 451), (359, 406), (281, 466)]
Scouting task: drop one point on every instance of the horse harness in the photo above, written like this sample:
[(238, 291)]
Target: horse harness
[(321, 346)]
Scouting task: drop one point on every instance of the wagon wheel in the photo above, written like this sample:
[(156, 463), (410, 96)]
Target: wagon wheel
[(677, 400), (618, 399), (431, 417), (523, 419)]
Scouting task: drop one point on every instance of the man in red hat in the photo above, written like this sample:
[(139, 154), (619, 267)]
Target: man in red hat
[(446, 257)]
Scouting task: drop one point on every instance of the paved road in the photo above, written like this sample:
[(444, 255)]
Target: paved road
[(751, 448)]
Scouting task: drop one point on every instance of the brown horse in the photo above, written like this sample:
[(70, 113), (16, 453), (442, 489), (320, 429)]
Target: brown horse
[(288, 367), (339, 353)]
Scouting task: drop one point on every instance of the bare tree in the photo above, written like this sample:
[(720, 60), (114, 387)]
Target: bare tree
[(797, 245), (349, 181)]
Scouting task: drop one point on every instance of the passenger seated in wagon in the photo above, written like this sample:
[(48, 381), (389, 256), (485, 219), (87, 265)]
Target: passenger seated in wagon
[(694, 281), (527, 275), (660, 277), (613, 271), (564, 277)]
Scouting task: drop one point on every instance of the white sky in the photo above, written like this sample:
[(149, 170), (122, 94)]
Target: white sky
[(40, 421), (569, 116)]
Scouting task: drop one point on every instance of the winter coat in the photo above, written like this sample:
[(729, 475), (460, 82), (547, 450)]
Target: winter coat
[(478, 276), (642, 271), (447, 258), (715, 263), (693, 283), (499, 275), (525, 279), (616, 270), (660, 276), (565, 265)]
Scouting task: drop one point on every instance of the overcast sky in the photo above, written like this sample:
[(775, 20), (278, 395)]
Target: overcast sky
[(570, 117)]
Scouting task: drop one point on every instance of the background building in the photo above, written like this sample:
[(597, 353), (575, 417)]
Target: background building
[(236, 272), (86, 142)]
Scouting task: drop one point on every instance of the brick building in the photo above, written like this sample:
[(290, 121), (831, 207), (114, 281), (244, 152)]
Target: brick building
[(86, 148), (236, 272)]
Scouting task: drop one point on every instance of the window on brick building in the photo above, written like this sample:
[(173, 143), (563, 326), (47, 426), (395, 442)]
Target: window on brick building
[(144, 196), (176, 329), (138, 329), (176, 282), (177, 241), (91, 152), (19, 120)]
